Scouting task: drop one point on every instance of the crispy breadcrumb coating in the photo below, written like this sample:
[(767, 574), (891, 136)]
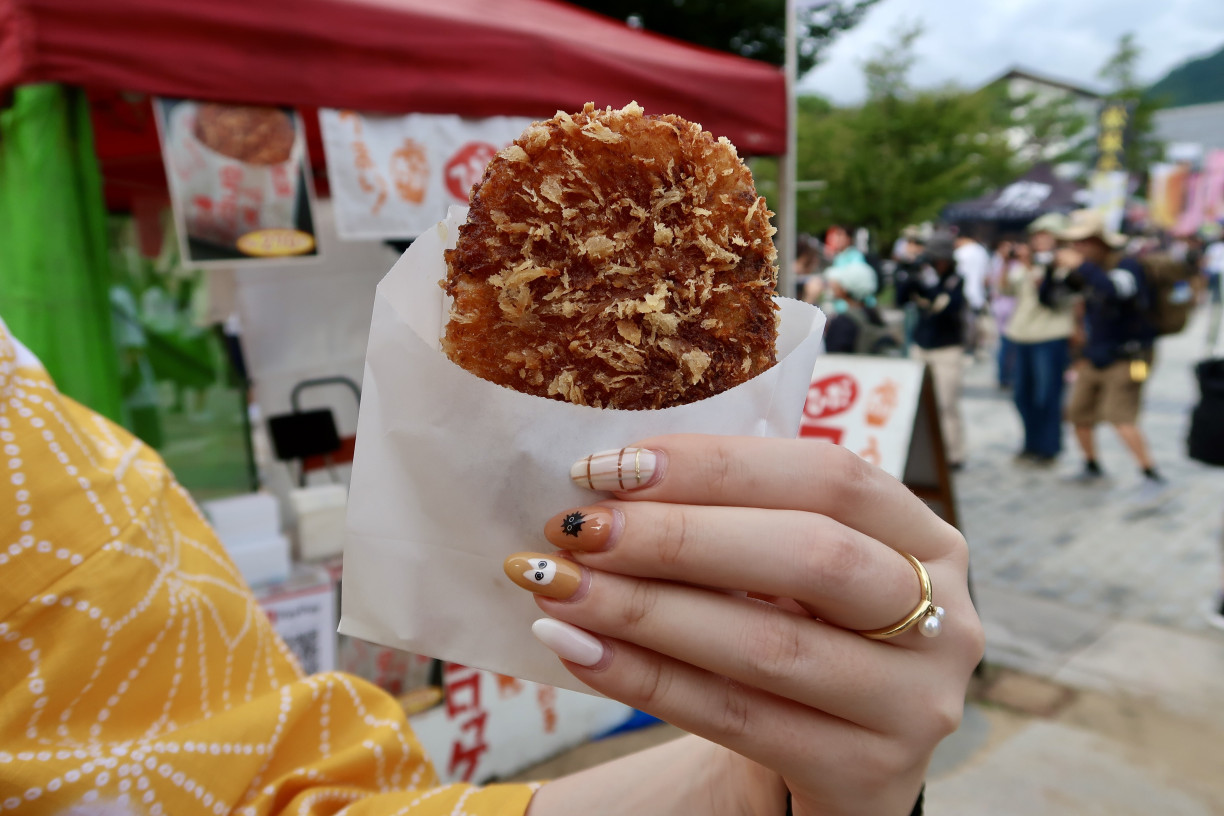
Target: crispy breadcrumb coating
[(616, 260), (251, 134)]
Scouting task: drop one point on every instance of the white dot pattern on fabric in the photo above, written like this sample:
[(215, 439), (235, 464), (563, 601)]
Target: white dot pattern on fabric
[(176, 697)]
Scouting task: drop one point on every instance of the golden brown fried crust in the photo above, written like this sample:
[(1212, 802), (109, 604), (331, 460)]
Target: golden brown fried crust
[(616, 260), (250, 134)]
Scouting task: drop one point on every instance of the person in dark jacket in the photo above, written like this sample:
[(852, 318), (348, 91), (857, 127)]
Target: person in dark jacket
[(939, 294), (1117, 353)]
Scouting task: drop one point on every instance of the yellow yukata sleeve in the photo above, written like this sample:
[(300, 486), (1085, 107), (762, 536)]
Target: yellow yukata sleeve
[(137, 672)]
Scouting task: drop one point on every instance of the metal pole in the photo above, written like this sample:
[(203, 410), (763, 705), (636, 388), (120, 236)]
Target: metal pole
[(787, 236)]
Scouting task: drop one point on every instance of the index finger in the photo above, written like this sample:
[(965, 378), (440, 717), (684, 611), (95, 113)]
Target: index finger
[(783, 474)]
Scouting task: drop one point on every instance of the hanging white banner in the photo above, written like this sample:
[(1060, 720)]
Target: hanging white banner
[(1109, 196), (395, 176)]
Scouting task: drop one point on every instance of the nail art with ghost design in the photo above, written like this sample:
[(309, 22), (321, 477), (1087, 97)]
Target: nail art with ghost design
[(544, 575)]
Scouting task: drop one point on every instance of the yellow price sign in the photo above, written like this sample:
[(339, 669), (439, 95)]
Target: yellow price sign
[(276, 243)]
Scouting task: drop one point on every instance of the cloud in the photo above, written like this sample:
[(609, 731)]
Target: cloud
[(969, 42)]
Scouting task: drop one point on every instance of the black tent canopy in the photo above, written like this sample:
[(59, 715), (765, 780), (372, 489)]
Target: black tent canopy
[(1037, 192)]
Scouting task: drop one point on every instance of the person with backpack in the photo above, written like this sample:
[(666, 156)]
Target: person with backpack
[(857, 326), (1117, 354)]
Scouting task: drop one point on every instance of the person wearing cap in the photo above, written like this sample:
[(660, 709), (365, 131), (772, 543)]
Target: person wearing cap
[(1117, 352), (1039, 331), (856, 326), (938, 292)]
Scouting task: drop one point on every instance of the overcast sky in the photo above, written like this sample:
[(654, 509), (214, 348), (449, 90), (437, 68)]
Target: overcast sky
[(972, 41)]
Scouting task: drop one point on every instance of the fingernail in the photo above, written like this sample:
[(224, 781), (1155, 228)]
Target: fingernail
[(618, 470), (544, 575), (568, 642), (590, 529)]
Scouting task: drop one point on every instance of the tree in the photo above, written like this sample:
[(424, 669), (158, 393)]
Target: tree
[(750, 28), (903, 155), (1118, 72), (1045, 127)]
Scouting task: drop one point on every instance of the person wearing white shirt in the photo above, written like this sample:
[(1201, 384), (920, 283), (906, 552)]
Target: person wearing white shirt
[(973, 265)]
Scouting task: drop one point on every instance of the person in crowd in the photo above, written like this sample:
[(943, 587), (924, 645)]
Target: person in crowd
[(139, 676), (840, 249), (1002, 304), (1117, 355), (909, 265), (857, 326), (1193, 257), (1213, 269), (973, 266), (1040, 331), (807, 264), (938, 293)]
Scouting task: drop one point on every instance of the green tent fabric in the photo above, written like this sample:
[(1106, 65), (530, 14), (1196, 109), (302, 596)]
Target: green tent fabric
[(54, 270)]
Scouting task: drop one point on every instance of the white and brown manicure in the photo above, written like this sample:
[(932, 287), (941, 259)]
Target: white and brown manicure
[(544, 574), (616, 470)]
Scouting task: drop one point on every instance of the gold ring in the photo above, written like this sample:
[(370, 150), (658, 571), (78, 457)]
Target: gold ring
[(927, 616)]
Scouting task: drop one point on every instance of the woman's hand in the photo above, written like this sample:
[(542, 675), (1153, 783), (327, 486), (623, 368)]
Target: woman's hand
[(725, 588)]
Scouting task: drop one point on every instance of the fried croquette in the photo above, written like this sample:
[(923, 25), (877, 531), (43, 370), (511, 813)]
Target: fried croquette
[(615, 260), (250, 134)]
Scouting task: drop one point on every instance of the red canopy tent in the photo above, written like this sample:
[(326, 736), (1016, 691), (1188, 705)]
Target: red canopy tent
[(471, 57)]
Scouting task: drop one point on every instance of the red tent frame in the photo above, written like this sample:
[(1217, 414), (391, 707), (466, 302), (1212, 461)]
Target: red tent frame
[(470, 57)]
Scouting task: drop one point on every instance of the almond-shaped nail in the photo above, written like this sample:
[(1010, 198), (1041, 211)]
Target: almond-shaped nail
[(589, 529), (568, 642), (619, 470), (544, 574)]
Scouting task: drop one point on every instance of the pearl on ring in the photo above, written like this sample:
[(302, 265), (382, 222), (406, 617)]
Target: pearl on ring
[(926, 615), (933, 623)]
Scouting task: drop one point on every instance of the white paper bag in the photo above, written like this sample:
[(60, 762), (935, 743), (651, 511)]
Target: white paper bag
[(453, 473)]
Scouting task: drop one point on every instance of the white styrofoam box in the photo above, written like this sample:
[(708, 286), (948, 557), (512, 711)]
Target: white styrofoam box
[(261, 560), (238, 519), (303, 612), (319, 516)]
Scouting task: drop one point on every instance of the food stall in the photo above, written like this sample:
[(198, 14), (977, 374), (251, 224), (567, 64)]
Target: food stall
[(79, 82)]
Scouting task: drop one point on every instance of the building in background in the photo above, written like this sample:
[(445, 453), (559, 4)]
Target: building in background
[(1054, 119), (1192, 131)]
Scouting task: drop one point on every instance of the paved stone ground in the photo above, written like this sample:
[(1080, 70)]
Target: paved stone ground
[(1031, 532)]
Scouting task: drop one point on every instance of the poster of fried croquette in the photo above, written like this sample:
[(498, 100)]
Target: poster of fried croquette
[(239, 181)]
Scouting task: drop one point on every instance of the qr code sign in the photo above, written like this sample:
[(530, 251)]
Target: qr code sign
[(306, 621), (305, 647)]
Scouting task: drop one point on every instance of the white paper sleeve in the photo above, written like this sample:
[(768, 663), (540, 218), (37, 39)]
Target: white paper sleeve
[(453, 473)]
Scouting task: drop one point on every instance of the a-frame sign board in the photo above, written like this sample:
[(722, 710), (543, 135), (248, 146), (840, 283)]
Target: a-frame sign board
[(884, 409)]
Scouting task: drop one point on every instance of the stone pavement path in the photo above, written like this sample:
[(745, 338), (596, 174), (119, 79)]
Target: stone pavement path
[(1031, 532), (1117, 705)]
